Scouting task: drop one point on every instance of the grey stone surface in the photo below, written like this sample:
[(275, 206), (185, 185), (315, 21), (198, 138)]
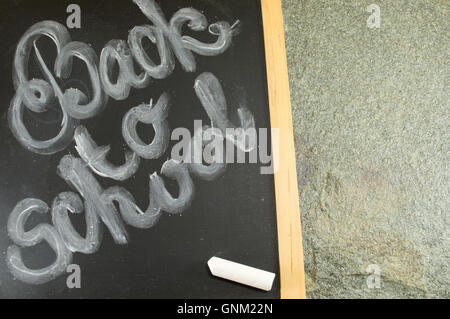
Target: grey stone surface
[(371, 122)]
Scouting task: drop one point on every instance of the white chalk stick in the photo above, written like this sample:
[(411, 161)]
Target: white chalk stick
[(242, 274)]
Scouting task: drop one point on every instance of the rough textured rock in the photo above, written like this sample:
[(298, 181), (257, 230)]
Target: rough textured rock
[(371, 121)]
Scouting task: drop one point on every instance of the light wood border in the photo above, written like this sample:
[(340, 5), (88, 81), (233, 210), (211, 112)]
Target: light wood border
[(292, 274)]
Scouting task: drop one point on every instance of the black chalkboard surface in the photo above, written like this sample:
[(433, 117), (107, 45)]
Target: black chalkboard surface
[(232, 216)]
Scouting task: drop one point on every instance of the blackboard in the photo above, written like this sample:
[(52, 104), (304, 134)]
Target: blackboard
[(233, 216)]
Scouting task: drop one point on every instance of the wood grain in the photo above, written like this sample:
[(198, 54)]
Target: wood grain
[(292, 275)]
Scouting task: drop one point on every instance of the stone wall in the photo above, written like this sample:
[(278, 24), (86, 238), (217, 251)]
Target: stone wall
[(371, 124)]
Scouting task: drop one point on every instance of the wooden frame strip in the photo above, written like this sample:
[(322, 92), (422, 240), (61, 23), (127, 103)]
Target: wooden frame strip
[(292, 274)]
